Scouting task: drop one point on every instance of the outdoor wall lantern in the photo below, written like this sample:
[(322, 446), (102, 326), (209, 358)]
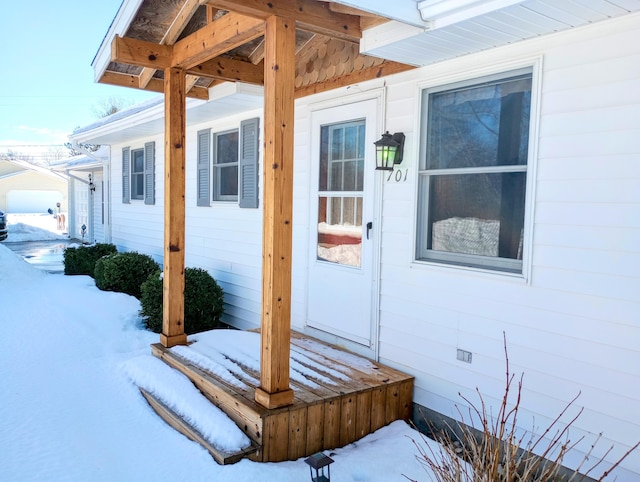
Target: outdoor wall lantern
[(92, 186), (389, 151), (317, 463)]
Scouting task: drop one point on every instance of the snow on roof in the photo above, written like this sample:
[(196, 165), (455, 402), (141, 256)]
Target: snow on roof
[(121, 114)]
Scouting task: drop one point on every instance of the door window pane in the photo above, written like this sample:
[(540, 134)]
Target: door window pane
[(341, 170)]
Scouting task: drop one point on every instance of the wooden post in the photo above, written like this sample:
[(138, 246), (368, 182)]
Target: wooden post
[(279, 73), (174, 208)]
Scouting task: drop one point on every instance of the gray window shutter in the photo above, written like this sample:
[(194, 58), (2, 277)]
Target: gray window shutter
[(249, 150), (126, 186), (150, 173), (204, 163)]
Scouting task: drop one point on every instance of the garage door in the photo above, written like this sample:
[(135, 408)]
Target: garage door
[(28, 201)]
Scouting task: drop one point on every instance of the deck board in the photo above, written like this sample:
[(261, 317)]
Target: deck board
[(344, 398)]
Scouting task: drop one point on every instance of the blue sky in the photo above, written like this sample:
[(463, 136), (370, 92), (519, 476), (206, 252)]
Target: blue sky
[(46, 84)]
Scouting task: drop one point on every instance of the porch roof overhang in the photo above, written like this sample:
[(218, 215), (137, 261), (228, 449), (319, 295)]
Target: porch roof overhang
[(218, 41)]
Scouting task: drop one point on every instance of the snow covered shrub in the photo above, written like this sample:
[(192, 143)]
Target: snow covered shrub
[(124, 272), (203, 301), (82, 260)]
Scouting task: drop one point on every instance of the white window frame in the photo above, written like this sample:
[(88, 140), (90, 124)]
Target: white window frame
[(217, 167), (134, 175), (495, 266)]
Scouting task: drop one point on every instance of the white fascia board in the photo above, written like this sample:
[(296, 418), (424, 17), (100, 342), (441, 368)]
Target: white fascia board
[(405, 11), (119, 26), (228, 89)]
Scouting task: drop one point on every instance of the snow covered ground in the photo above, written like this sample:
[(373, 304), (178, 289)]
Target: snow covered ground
[(70, 412), (33, 227)]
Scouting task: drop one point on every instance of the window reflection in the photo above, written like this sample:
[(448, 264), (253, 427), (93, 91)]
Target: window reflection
[(341, 171)]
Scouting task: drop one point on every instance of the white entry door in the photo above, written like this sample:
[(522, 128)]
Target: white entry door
[(343, 232)]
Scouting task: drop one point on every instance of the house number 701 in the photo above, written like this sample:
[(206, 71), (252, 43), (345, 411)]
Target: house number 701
[(399, 175)]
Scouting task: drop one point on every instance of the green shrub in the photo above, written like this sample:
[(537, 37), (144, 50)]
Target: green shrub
[(124, 272), (82, 260), (203, 302)]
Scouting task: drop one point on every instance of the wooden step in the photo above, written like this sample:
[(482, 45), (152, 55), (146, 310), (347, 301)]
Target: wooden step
[(331, 412), (174, 420), (248, 415)]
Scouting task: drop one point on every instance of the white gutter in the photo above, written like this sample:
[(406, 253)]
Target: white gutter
[(441, 13)]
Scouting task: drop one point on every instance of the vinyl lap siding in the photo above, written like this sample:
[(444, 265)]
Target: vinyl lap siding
[(98, 225), (221, 238), (225, 239), (136, 226), (574, 325)]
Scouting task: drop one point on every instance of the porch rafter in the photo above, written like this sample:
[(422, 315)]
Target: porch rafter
[(154, 85), (153, 56), (216, 38)]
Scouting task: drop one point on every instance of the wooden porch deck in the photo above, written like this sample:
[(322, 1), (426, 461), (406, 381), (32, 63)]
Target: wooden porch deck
[(339, 397)]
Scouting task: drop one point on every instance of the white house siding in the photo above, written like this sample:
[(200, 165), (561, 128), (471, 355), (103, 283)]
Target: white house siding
[(223, 238), (573, 325), (137, 226), (97, 207)]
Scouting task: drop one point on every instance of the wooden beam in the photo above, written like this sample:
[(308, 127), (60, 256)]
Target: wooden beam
[(230, 69), (306, 51), (181, 20), (309, 15), (218, 37), (211, 13), (174, 207), (140, 52), (190, 82), (275, 334), (154, 85), (374, 72), (187, 10), (258, 53), (145, 76)]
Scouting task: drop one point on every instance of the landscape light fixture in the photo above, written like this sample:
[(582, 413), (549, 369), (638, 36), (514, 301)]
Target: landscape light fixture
[(317, 463), (389, 150)]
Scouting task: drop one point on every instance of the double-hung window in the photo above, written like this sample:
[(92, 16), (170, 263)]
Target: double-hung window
[(473, 170), (138, 173), (225, 166), (228, 165)]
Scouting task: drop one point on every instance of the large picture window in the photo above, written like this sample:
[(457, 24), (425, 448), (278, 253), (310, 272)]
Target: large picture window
[(473, 169)]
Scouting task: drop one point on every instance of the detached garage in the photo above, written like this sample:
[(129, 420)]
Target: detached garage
[(27, 188), (33, 201)]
